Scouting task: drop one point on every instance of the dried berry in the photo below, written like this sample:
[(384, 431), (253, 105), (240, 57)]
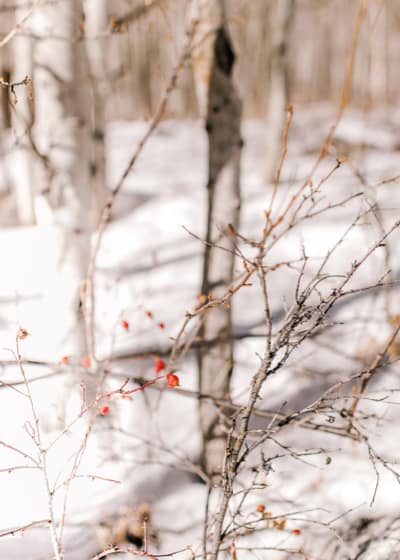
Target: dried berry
[(85, 361), (172, 380), (159, 365), (22, 333)]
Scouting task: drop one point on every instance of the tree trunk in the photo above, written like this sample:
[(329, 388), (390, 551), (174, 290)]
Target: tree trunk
[(96, 25), (281, 27), (213, 66), (21, 121), (65, 209)]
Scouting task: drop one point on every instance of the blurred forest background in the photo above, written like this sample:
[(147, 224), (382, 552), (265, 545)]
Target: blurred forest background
[(144, 37), (123, 52)]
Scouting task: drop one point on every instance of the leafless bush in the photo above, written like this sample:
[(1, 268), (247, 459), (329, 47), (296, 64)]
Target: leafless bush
[(333, 405)]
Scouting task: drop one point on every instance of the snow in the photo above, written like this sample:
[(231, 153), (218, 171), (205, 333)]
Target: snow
[(150, 261)]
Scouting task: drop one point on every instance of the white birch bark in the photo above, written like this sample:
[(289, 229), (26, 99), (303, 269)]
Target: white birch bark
[(64, 208), (23, 178), (218, 100), (282, 20), (209, 16), (96, 40)]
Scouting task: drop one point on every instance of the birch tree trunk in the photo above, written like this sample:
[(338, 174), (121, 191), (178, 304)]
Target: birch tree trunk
[(96, 26), (65, 210), (21, 121), (218, 100), (282, 22)]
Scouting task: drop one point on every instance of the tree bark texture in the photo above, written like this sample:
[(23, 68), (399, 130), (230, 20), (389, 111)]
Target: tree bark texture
[(65, 206), (96, 25), (22, 119), (224, 139), (283, 16)]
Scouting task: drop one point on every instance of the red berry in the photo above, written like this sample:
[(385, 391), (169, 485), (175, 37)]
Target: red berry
[(64, 360), (172, 380), (22, 333), (159, 365), (260, 508), (149, 314), (85, 361), (161, 325), (125, 325), (296, 532), (105, 410)]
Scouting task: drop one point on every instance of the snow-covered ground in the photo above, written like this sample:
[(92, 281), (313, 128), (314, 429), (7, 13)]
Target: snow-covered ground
[(150, 262)]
